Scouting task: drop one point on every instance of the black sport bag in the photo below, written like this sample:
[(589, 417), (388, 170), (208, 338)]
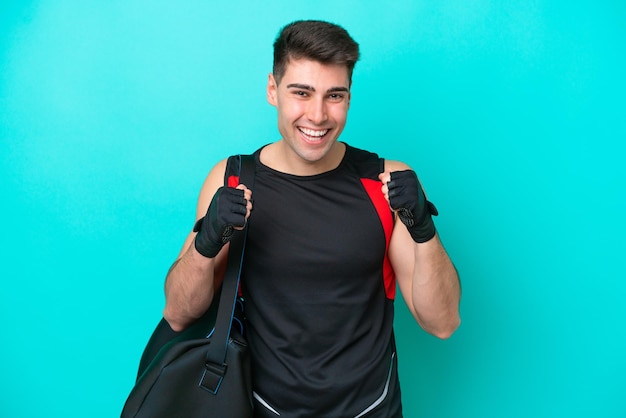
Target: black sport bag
[(203, 371)]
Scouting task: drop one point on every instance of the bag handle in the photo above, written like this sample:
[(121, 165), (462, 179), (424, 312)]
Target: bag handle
[(215, 367)]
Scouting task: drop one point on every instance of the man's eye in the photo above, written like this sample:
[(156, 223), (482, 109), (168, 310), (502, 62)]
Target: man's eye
[(336, 97), (301, 93)]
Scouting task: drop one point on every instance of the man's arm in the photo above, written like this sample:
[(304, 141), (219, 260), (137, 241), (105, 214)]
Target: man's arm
[(199, 269), (426, 276)]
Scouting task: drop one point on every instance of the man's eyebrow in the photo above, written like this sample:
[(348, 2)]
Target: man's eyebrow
[(311, 88), (337, 89), (301, 86)]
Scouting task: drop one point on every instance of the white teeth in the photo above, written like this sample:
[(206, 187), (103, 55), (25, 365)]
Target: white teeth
[(311, 132)]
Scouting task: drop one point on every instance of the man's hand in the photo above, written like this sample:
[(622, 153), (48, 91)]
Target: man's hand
[(406, 198), (229, 210)]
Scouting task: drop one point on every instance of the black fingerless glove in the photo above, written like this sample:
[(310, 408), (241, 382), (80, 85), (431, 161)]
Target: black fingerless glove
[(226, 211), (407, 198)]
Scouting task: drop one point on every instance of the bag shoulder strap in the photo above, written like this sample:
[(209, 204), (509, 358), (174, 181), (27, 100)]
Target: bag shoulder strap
[(216, 355)]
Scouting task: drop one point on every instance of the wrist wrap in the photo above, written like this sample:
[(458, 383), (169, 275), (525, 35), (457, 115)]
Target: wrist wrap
[(226, 212), (407, 198)]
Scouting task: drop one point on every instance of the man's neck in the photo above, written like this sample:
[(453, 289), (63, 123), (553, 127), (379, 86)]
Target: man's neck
[(280, 157)]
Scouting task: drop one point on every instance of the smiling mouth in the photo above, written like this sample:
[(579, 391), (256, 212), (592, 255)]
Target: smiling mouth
[(313, 135)]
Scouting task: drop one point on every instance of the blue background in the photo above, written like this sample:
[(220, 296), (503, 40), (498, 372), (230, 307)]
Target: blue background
[(513, 114)]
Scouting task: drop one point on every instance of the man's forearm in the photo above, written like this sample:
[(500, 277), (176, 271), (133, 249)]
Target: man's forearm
[(189, 288), (436, 289)]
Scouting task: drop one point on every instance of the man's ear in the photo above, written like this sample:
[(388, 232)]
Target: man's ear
[(272, 90), (349, 93)]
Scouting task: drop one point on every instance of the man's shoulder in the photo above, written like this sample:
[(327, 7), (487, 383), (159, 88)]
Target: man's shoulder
[(365, 158), (365, 164), (393, 165), (232, 163), (359, 153)]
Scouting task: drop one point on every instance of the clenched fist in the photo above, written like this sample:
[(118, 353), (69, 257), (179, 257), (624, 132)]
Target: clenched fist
[(406, 198), (229, 210)]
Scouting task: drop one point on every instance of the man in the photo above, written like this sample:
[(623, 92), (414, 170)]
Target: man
[(331, 233)]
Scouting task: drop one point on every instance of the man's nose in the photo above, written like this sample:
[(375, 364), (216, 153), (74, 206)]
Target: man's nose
[(316, 111)]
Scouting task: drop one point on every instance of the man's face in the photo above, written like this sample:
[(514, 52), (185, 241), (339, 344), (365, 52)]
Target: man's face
[(312, 100)]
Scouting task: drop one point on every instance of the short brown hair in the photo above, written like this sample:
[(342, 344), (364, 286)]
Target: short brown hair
[(317, 40)]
